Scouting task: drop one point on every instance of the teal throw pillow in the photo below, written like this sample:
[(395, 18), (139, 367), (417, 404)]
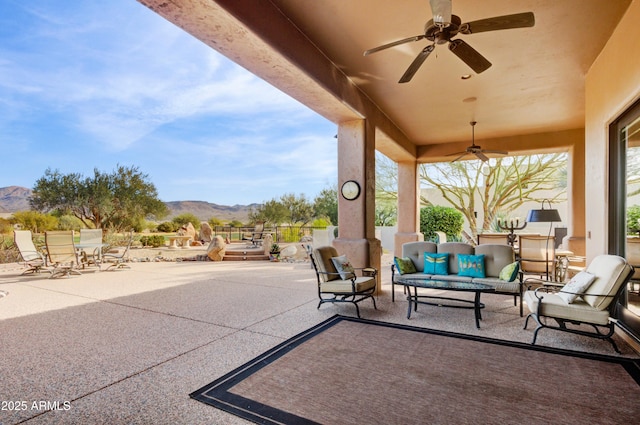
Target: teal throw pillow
[(509, 272), (404, 265), (471, 265), (436, 263)]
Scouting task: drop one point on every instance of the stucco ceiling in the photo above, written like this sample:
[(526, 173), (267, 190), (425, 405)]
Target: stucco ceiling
[(535, 84)]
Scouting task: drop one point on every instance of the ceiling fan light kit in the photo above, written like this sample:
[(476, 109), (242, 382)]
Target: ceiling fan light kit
[(444, 26)]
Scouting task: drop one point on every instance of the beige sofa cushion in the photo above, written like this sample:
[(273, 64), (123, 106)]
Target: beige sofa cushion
[(415, 251), (496, 257), (453, 249), (344, 286)]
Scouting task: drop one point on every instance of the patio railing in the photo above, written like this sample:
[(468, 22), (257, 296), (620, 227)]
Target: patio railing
[(280, 233)]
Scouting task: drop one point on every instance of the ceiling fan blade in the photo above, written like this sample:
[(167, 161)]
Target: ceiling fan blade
[(495, 152), (481, 156), (459, 157), (506, 22), (469, 55), (417, 62), (395, 43)]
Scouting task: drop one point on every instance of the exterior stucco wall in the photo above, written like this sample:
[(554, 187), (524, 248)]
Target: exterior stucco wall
[(612, 85)]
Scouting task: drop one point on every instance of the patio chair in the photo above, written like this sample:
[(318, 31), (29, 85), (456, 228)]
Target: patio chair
[(493, 238), (61, 252), (90, 247), (338, 281), (537, 255), (31, 257), (590, 298), (118, 256), (255, 237)]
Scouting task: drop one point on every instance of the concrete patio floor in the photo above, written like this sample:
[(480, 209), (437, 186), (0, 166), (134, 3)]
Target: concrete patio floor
[(129, 346)]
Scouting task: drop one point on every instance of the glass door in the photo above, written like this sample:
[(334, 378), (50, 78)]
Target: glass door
[(624, 209)]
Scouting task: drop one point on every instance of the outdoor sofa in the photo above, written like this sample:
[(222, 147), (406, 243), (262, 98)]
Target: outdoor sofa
[(499, 263)]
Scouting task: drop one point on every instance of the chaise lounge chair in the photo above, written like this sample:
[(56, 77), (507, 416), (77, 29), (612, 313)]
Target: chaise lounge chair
[(31, 257), (118, 256), (61, 252)]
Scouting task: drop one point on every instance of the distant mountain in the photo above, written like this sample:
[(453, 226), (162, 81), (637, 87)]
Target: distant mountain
[(205, 210), (16, 198)]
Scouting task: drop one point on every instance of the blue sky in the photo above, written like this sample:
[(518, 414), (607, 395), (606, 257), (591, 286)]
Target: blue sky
[(86, 84)]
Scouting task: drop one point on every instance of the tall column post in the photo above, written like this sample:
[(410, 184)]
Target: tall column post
[(408, 206), (356, 218), (575, 240)]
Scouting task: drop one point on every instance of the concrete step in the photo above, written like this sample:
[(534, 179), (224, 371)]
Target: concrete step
[(245, 255)]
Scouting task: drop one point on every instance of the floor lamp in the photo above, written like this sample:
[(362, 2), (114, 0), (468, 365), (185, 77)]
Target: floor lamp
[(549, 215)]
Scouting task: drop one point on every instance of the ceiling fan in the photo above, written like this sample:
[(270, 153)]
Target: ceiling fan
[(475, 149), (444, 26)]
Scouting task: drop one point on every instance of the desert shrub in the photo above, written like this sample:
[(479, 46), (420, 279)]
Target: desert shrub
[(443, 219), (155, 241), (184, 219), (69, 222), (213, 222), (35, 221), (5, 226), (168, 227), (290, 234)]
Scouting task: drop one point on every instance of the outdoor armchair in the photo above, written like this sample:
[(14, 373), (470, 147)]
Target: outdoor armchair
[(255, 237), (589, 298), (344, 283), (31, 257)]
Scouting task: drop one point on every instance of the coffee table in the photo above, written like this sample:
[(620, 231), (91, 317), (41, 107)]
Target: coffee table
[(416, 282)]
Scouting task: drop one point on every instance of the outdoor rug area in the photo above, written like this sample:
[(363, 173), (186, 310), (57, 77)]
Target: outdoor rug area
[(355, 371)]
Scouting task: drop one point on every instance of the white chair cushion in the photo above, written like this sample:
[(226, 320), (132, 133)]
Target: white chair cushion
[(554, 306)]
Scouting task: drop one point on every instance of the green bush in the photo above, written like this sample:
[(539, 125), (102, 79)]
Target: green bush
[(185, 218), (633, 214), (155, 241), (442, 219), (35, 221), (168, 227), (70, 222), (5, 226)]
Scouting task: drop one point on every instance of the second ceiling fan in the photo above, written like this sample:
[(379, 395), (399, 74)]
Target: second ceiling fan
[(444, 26), (475, 149)]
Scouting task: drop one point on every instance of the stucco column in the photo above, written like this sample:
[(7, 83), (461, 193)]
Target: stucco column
[(356, 218), (575, 239), (408, 206)]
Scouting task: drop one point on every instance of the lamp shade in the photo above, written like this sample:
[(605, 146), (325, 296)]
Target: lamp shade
[(543, 216)]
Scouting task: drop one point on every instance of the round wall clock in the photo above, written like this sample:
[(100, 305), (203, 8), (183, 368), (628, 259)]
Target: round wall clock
[(350, 190)]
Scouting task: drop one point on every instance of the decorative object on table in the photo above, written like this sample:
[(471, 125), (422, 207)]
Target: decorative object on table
[(549, 215), (511, 227)]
